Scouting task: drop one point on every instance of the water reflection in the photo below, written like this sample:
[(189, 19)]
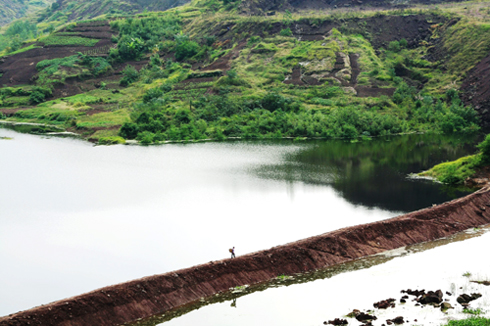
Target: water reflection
[(374, 173), (74, 217), (327, 273)]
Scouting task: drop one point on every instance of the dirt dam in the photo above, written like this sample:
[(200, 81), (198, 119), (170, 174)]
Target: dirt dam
[(153, 295)]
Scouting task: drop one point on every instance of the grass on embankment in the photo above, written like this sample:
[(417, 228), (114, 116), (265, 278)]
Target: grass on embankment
[(457, 171), (472, 321)]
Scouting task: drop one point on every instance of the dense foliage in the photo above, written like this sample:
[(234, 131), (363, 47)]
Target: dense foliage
[(17, 32)]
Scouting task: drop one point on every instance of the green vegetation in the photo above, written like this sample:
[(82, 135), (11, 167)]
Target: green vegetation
[(59, 40), (477, 311), (19, 31), (473, 321), (457, 171), (210, 73)]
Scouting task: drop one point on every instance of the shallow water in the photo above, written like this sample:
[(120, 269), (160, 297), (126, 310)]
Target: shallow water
[(313, 298), (74, 217)]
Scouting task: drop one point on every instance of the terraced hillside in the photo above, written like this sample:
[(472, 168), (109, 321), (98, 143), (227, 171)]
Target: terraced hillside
[(71, 10), (185, 75)]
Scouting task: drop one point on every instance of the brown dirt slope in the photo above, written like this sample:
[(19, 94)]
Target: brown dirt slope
[(475, 90), (262, 6), (126, 302), (19, 69)]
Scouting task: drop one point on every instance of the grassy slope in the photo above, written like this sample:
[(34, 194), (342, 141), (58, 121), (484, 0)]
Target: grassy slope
[(263, 62), (13, 9)]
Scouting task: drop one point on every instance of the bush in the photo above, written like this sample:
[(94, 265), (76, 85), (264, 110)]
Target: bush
[(186, 49), (129, 47), (274, 101), (286, 32), (152, 94), (394, 46), (129, 130), (36, 97), (130, 75)]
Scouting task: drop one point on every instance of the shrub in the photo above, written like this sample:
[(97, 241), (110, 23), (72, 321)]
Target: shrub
[(130, 75), (185, 50), (130, 47), (394, 46), (286, 32), (36, 97), (152, 94), (129, 130)]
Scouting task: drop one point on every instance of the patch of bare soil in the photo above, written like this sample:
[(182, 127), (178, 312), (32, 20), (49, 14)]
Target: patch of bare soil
[(11, 112), (480, 179), (19, 69), (364, 91), (260, 7), (130, 301), (475, 90)]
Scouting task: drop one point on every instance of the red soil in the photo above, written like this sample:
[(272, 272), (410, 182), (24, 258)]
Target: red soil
[(126, 302)]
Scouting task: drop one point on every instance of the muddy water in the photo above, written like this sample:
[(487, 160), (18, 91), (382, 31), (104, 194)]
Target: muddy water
[(75, 217)]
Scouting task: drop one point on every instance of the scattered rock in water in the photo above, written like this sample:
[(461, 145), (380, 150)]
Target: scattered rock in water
[(431, 297), (416, 293), (363, 317), (353, 314), (464, 299), (487, 283), (397, 321), (446, 306), (336, 322), (384, 304)]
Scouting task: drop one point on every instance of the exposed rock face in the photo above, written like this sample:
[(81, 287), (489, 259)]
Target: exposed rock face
[(126, 302)]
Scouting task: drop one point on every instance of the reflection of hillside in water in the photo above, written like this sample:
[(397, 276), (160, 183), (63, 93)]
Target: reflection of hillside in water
[(374, 173)]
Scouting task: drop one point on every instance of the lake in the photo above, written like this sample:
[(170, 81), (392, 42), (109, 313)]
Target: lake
[(75, 217)]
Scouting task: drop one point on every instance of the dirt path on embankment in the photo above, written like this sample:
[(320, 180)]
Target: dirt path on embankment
[(126, 302)]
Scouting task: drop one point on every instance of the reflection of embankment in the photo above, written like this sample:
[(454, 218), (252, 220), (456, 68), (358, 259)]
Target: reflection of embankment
[(123, 303)]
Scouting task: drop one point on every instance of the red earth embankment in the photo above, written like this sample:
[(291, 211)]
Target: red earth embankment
[(126, 302)]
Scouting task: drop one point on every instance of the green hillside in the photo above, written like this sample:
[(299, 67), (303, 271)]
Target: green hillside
[(14, 9), (63, 11), (204, 71)]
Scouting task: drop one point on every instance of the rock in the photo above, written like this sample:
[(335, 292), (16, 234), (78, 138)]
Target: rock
[(398, 321), (350, 90), (465, 298), (445, 306), (384, 304), (449, 293), (354, 313), (431, 297), (336, 322), (487, 283), (403, 300), (416, 293), (363, 317)]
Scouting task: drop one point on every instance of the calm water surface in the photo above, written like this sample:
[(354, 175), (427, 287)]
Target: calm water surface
[(74, 217)]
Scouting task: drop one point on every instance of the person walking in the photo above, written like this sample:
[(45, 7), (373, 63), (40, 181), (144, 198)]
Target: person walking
[(232, 250)]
